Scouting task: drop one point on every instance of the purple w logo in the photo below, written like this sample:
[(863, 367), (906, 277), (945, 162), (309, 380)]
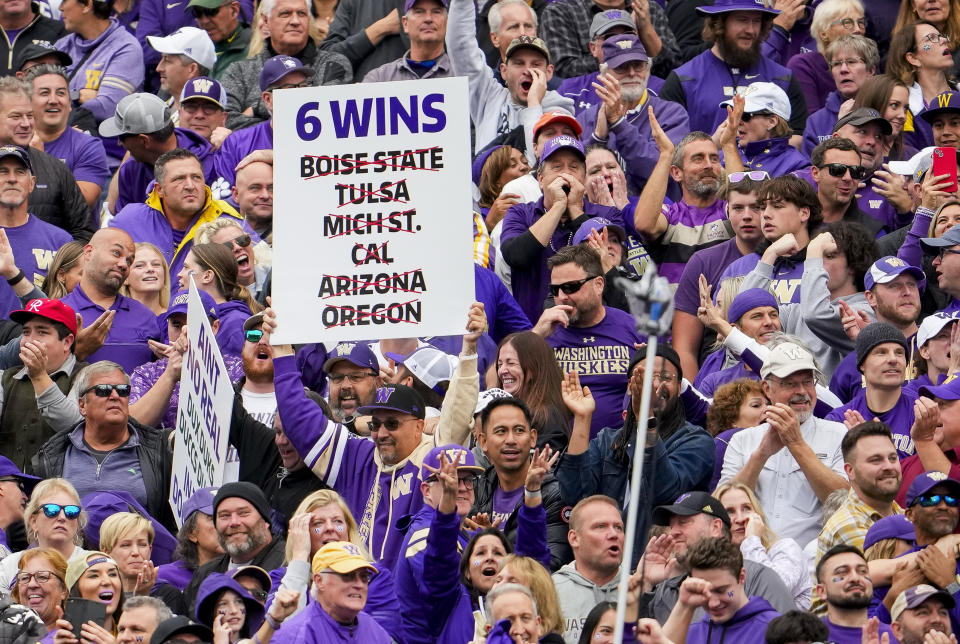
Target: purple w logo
[(383, 394)]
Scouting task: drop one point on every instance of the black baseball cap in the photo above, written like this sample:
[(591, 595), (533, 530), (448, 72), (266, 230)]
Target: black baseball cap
[(168, 629), (689, 504), (396, 398)]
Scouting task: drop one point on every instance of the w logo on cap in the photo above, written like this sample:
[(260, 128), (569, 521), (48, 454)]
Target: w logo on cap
[(624, 44), (613, 14), (202, 85), (34, 305), (453, 454), (289, 62), (937, 476), (383, 394), (345, 348), (793, 353), (943, 100), (352, 549)]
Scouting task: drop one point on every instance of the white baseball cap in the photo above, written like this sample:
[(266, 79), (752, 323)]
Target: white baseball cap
[(932, 325), (764, 97), (919, 162), (189, 41)]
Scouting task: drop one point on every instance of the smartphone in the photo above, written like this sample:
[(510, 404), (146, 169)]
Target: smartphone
[(945, 162), (80, 611)]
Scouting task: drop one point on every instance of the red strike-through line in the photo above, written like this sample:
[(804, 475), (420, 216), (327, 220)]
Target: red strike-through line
[(367, 193), (382, 162), (374, 283), (371, 253), (391, 228), (373, 314)]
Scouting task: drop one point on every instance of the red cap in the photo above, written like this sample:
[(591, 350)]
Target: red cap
[(562, 117), (54, 310)]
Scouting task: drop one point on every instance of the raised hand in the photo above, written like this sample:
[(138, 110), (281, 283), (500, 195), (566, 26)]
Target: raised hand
[(926, 419), (298, 537), (541, 464), (695, 592), (91, 338), (578, 399), (664, 144), (853, 320)]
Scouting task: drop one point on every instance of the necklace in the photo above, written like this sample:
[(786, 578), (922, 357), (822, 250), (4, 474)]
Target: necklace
[(569, 239)]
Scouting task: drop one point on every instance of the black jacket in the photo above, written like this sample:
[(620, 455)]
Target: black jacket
[(260, 464), (41, 31), (57, 199), (558, 516), (271, 557), (156, 461)]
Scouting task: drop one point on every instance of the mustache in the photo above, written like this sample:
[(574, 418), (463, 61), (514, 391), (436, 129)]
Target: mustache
[(799, 399)]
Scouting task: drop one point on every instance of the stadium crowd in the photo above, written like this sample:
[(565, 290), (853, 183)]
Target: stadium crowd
[(789, 166)]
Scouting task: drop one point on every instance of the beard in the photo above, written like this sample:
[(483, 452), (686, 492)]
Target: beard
[(850, 602), (737, 57), (257, 373), (257, 537), (632, 92)]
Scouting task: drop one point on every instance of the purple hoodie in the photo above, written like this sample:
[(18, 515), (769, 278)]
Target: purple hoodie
[(114, 69), (133, 183), (747, 625), (820, 124), (313, 625), (230, 336), (812, 73)]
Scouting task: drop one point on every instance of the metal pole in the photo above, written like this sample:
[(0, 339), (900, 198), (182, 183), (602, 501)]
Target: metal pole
[(632, 507)]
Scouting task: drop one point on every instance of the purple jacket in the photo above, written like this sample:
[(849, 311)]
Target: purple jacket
[(162, 18), (176, 574), (504, 315), (133, 184), (114, 69), (579, 89), (530, 273), (747, 625), (722, 377), (630, 137), (899, 418), (230, 336), (235, 147), (702, 83), (313, 625), (812, 73), (133, 325), (820, 124), (776, 156), (376, 495), (146, 223)]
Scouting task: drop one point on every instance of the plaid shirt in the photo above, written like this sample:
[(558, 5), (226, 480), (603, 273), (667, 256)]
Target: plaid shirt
[(849, 524), (565, 26)]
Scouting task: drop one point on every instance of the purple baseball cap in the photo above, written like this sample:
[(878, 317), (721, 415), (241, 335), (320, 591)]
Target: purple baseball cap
[(948, 390), (624, 48), (9, 469), (726, 6), (467, 462), (408, 5), (927, 481), (912, 598), (179, 303), (279, 66), (206, 88), (886, 269), (559, 143), (201, 501), (597, 223), (895, 526), (356, 353), (943, 103)]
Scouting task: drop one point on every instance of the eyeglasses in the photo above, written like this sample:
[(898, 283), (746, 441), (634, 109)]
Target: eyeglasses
[(208, 108), (665, 376), (104, 391), (849, 62), (363, 576), (42, 576), (935, 38), (804, 383), (204, 12), (253, 335), (930, 500), (306, 83), (242, 242), (52, 510), (747, 116), (848, 23), (355, 378), (753, 175), (838, 170), (468, 480), (570, 288), (392, 424), (947, 251)]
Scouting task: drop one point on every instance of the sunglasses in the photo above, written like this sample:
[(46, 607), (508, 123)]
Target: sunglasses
[(253, 335), (753, 175), (570, 288), (205, 12), (838, 170), (242, 242), (392, 424), (930, 500), (208, 108), (104, 391), (51, 510), (749, 115)]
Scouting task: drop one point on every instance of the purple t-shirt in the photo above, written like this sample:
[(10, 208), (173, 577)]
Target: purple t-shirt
[(847, 380), (851, 634), (504, 503), (235, 147), (899, 418), (34, 244), (711, 262), (82, 153), (600, 354)]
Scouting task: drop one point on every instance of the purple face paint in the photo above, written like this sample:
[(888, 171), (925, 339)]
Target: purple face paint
[(836, 579), (730, 594), (927, 48)]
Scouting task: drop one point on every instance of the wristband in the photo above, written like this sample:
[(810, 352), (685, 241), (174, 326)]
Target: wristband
[(16, 278), (272, 622), (532, 494), (953, 587)]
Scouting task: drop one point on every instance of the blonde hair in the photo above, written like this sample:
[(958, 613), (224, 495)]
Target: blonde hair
[(68, 256), (57, 563), (258, 26), (321, 499), (882, 549), (535, 577), (165, 291), (769, 537), (116, 526), (49, 486)]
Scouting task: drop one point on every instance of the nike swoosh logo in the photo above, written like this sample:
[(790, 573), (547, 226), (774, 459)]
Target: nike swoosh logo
[(747, 76), (173, 4)]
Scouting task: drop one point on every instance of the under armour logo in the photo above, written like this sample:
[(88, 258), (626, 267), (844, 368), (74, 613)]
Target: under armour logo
[(34, 305), (384, 393), (590, 339)]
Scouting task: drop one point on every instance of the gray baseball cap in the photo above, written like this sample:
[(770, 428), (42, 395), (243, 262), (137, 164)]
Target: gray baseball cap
[(139, 113)]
